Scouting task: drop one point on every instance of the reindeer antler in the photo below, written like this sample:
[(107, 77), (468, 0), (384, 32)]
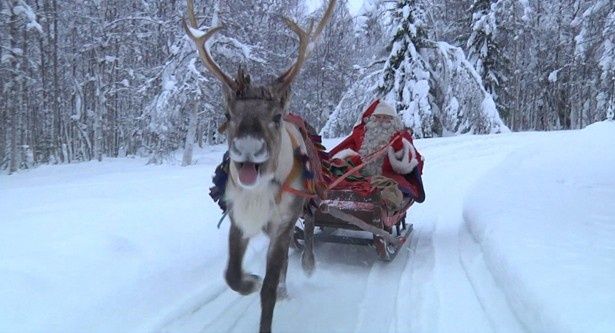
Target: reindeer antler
[(199, 40), (305, 38)]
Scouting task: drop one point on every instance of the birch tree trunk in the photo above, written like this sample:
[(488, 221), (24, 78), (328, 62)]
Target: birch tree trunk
[(3, 107), (12, 95), (57, 131), (190, 137), (98, 112)]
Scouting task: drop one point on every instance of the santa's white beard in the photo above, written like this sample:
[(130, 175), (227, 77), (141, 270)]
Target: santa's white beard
[(376, 136)]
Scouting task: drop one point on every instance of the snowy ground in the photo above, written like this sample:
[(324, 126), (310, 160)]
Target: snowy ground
[(516, 235)]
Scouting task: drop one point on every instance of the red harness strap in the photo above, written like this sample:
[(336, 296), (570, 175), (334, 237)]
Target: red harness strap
[(305, 195), (294, 173)]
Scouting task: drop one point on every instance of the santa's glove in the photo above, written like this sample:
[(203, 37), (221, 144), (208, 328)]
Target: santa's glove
[(404, 160)]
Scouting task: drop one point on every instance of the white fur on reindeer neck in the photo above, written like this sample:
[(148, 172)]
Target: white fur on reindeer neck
[(254, 207)]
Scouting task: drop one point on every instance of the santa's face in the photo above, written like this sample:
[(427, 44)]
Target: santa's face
[(378, 130), (382, 119)]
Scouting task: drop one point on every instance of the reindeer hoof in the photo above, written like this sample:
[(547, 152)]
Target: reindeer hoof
[(252, 283), (282, 292), (247, 284), (307, 262)]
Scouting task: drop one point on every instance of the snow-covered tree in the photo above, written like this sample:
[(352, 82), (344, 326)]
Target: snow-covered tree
[(406, 80), (432, 85), (185, 95), (21, 24), (369, 54), (594, 49), (606, 96), (328, 71), (449, 20), (465, 106), (351, 105), (483, 51), (371, 30)]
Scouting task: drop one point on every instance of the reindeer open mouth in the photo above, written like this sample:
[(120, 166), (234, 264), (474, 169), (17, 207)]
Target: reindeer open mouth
[(248, 172)]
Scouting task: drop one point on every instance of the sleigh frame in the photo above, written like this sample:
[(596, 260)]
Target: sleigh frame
[(344, 209)]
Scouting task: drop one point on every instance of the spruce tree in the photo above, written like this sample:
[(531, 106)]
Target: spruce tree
[(406, 79)]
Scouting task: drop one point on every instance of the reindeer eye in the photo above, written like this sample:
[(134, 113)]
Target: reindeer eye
[(277, 118), (227, 116)]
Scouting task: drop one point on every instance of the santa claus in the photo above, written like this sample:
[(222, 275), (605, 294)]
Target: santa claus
[(377, 127)]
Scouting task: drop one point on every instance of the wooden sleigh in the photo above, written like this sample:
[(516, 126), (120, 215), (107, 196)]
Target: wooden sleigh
[(339, 208)]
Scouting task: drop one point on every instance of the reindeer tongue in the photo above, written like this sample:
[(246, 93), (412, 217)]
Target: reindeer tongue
[(248, 173)]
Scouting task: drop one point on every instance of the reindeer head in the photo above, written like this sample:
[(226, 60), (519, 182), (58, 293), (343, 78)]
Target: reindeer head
[(254, 112), (254, 128)]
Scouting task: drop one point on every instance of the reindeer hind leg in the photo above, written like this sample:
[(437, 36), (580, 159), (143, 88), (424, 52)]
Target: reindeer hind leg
[(307, 256), (282, 290)]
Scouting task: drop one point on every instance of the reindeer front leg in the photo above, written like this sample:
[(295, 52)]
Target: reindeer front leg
[(235, 277), (277, 262)]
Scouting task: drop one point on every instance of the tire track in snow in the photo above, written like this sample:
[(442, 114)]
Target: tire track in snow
[(213, 315), (210, 310), (380, 294), (400, 296), (489, 294), (330, 300), (244, 310), (452, 172), (184, 313), (417, 302)]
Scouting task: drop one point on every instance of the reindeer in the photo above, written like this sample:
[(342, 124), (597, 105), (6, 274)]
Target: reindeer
[(262, 165)]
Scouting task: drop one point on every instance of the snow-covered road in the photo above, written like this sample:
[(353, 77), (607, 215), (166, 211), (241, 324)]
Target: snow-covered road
[(437, 284), (119, 246)]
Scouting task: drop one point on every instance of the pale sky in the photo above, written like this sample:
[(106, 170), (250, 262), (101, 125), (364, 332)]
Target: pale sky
[(353, 5)]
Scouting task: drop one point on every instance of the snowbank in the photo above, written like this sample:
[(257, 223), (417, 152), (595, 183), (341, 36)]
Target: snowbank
[(104, 247), (548, 235)]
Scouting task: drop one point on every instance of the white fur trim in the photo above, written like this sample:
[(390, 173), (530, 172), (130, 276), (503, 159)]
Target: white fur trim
[(404, 160), (342, 154), (384, 109)]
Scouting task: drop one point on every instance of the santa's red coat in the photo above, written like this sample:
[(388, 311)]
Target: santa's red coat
[(410, 183)]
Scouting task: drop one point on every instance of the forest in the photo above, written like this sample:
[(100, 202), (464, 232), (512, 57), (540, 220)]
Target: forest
[(85, 80)]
